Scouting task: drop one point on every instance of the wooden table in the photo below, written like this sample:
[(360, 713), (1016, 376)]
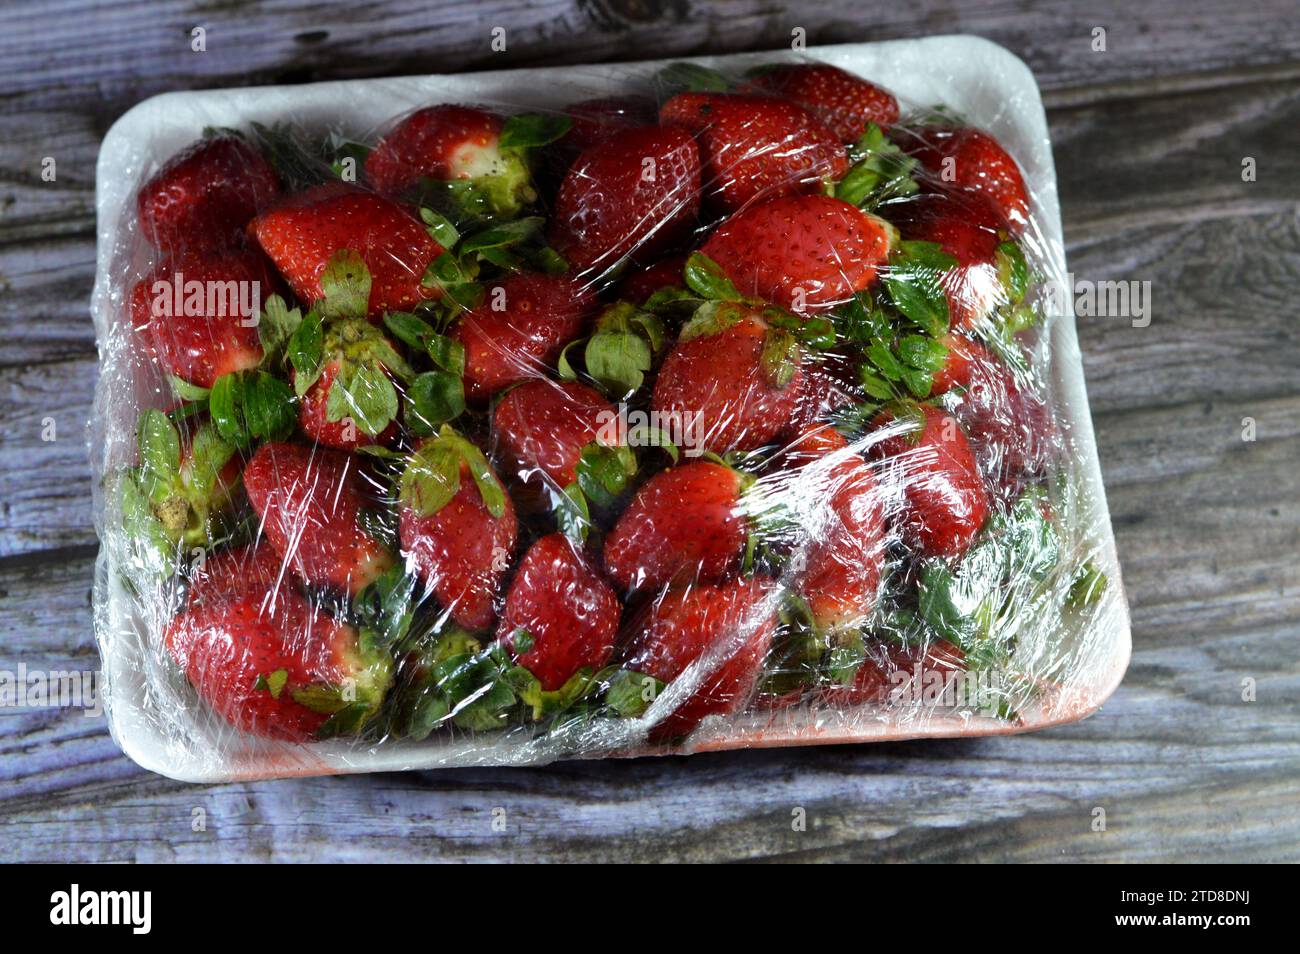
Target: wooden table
[(1149, 135)]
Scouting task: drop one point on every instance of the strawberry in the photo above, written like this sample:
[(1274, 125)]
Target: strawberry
[(969, 228), (560, 616), (198, 315), (204, 195), (350, 400), (598, 120), (732, 380), (685, 524), (522, 324), (458, 145), (756, 146), (973, 160), (1011, 428), (541, 428), (844, 102), (639, 284), (186, 479), (928, 459), (310, 504), (303, 234), (966, 359), (268, 661), (845, 555), (884, 665), (828, 387), (718, 634), (458, 526), (805, 253), (637, 193)]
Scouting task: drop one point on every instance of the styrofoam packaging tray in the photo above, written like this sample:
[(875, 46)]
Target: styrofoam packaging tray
[(988, 85)]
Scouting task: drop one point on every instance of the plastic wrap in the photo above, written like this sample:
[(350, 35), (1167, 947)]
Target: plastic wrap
[(669, 407)]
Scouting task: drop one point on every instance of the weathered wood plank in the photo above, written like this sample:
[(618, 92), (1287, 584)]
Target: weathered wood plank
[(45, 467), (296, 42)]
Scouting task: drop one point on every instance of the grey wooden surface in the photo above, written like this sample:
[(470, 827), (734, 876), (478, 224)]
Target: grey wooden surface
[(1149, 138)]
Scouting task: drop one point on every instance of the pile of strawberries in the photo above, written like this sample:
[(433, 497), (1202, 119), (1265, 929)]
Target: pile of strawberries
[(714, 396)]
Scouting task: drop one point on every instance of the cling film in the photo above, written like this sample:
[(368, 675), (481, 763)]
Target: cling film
[(715, 411)]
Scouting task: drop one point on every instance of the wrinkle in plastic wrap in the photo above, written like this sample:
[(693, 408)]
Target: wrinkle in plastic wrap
[(709, 409)]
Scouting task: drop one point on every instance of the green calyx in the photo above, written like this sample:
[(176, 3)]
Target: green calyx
[(354, 703), (176, 491), (914, 283), (433, 475), (603, 474), (880, 171), (621, 350)]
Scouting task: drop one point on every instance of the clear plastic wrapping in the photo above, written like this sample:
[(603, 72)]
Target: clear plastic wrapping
[(689, 408)]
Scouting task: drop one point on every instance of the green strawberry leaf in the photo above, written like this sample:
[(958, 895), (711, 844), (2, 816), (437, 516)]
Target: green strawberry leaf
[(273, 683), (914, 283), (440, 228), (1088, 586), (188, 392), (431, 478), (410, 329), (780, 357), (160, 453), (305, 350), (502, 236), (880, 171), (387, 606), (434, 398), (209, 454), (530, 130), (1013, 271), (247, 406), (691, 77), (603, 472), (631, 693), (706, 278), (367, 397), (275, 328), (345, 285)]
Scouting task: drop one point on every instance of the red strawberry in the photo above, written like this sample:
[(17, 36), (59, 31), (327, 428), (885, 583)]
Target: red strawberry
[(844, 102), (883, 668), (597, 120), (972, 159), (542, 426), (266, 660), (204, 195), (352, 347), (685, 524), (452, 143), (637, 193), (197, 313), (519, 328), (256, 568), (302, 234), (733, 382), (458, 527), (928, 459), (845, 555), (314, 418), (966, 358), (726, 628), (639, 284), (967, 227), (756, 146), (568, 611), (1011, 428), (309, 502), (806, 253), (828, 386)]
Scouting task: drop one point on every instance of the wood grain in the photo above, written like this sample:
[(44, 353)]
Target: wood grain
[(1149, 139)]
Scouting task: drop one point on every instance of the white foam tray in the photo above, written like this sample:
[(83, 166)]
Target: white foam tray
[(165, 730)]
